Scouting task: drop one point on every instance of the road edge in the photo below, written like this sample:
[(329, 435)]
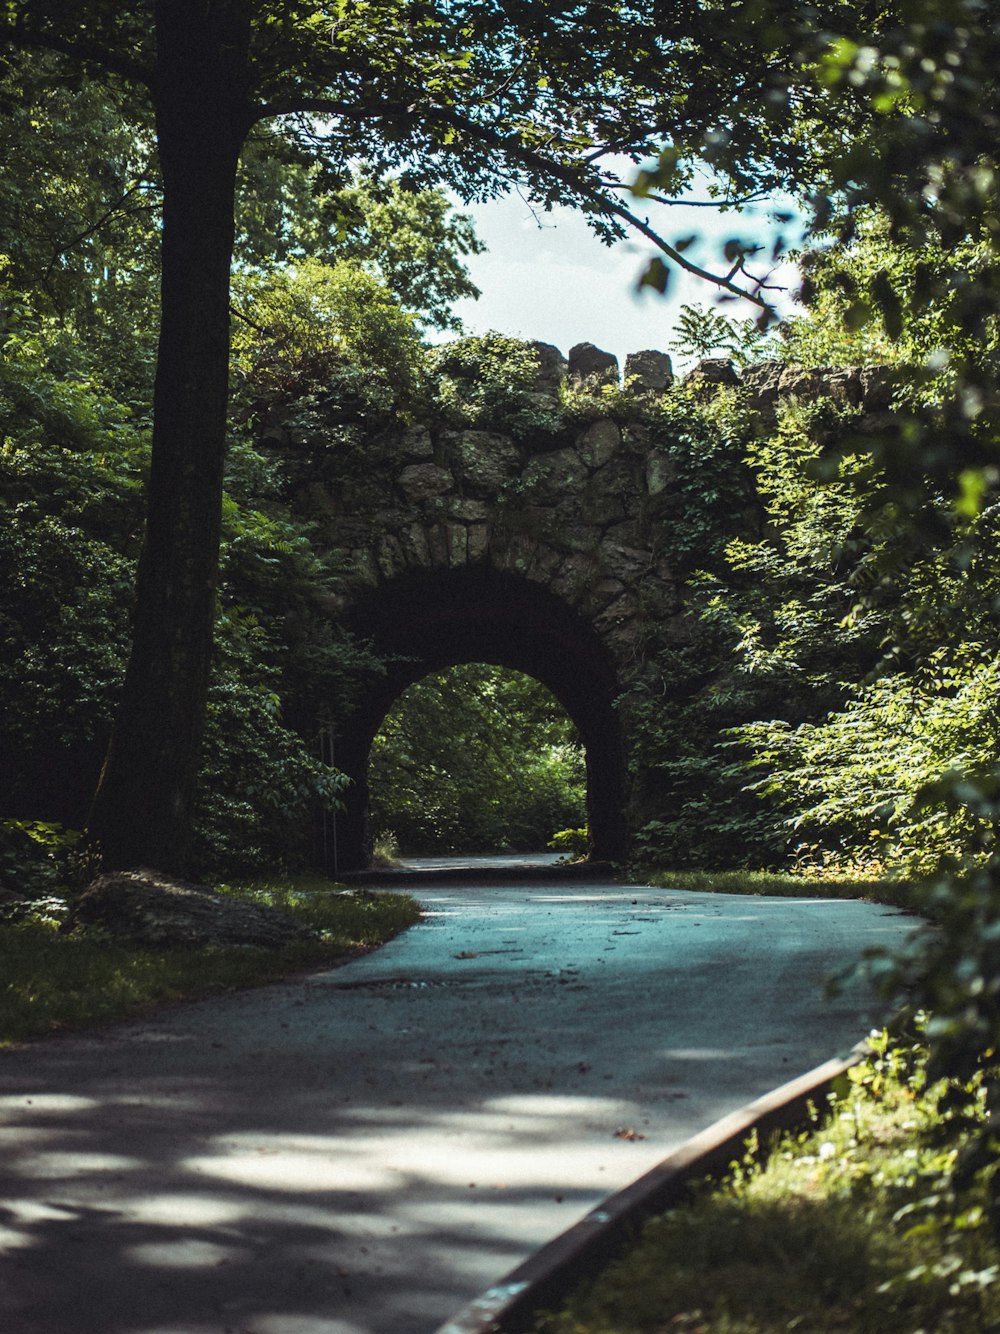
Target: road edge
[(548, 1275)]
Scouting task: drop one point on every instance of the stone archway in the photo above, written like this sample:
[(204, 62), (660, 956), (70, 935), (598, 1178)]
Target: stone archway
[(555, 538), (425, 622)]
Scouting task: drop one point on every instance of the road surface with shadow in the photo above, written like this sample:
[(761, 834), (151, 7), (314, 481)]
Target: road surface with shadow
[(363, 1150)]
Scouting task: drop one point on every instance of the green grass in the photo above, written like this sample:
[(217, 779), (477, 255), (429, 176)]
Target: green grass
[(855, 1227), (53, 982), (898, 893)]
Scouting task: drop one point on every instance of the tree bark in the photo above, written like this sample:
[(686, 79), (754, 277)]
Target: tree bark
[(142, 810)]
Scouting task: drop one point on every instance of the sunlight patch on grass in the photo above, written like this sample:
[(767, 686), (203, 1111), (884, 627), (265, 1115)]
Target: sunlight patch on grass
[(896, 893), (54, 982)]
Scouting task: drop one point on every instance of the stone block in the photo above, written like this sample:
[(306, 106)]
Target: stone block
[(599, 596), (413, 540), (416, 443), (458, 544), (623, 638), (468, 511), (574, 576), (626, 534), (648, 372), (553, 476), (761, 382), (664, 570), (478, 542), (423, 481), (437, 542), (547, 560), (350, 532), (608, 589), (364, 568), (599, 442), (534, 519), (589, 365), (551, 369), (712, 371), (612, 495), (485, 461), (661, 473), (616, 613), (601, 505), (842, 385), (625, 563), (515, 552), (390, 558), (389, 520)]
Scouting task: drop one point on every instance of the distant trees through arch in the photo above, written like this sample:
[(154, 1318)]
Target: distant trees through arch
[(429, 622), (476, 758)]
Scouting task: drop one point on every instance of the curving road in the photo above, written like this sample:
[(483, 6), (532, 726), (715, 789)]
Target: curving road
[(362, 1150)]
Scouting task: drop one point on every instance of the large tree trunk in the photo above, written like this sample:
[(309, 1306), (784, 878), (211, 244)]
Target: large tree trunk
[(142, 811)]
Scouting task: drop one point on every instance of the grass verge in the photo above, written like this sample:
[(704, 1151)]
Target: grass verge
[(896, 893), (53, 982), (856, 1226)]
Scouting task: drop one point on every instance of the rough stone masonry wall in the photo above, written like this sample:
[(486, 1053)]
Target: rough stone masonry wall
[(583, 510)]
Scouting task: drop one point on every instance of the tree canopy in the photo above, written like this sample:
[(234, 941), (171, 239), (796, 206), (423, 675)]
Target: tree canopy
[(481, 96)]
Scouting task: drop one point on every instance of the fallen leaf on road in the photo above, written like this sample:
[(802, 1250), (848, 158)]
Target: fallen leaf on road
[(625, 1132), (466, 954)]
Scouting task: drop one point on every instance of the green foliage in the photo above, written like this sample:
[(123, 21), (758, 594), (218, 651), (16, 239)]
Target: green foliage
[(476, 759), (71, 473), (80, 201), (339, 83), (858, 780), (38, 859), (572, 843), (702, 332), (411, 239), (259, 782), (490, 382), (804, 882), (864, 1223), (72, 469), (845, 290), (291, 207), (324, 327), (276, 657), (704, 442), (699, 813), (923, 82), (845, 740)]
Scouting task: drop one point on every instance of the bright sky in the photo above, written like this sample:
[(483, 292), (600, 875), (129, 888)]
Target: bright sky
[(550, 278)]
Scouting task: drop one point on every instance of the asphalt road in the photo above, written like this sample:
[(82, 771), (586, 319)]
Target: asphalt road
[(363, 1150)]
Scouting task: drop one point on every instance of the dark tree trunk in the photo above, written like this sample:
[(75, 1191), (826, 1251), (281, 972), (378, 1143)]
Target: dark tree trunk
[(142, 811)]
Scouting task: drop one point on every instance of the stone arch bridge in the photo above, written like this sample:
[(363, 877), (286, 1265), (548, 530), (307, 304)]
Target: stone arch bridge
[(548, 550)]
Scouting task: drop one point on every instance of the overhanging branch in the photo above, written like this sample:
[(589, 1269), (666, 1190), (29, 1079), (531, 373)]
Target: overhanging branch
[(88, 53), (595, 194)]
